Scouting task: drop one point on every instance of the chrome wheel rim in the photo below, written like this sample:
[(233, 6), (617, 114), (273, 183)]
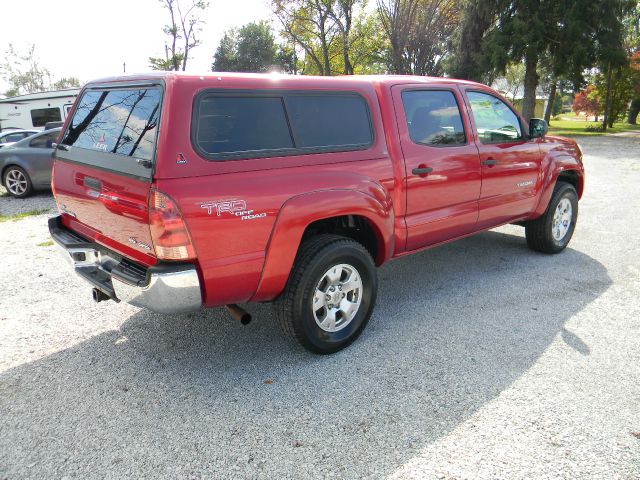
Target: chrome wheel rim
[(337, 297), (561, 219), (16, 182)]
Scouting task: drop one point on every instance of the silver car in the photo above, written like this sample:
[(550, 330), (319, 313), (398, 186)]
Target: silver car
[(11, 136), (26, 165)]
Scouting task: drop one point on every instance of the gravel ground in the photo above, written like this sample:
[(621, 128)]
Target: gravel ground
[(482, 360)]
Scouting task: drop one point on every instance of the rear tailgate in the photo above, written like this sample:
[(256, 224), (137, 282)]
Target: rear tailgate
[(104, 165)]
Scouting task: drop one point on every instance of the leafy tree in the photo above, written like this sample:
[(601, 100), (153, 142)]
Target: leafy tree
[(183, 31), (586, 101), (310, 25), (569, 35), (466, 57), (24, 74), (418, 32), (252, 48), (66, 82)]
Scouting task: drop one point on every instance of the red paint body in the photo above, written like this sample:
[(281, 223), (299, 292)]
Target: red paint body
[(250, 260)]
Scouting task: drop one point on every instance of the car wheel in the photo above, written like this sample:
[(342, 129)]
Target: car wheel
[(552, 232), (17, 182), (330, 294)]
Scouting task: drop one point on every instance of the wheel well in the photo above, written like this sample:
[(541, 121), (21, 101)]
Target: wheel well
[(571, 177), (352, 226)]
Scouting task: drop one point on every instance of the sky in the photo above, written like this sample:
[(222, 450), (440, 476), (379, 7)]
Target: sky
[(90, 39)]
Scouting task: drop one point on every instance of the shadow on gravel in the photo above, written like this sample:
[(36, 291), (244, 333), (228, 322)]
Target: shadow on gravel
[(199, 395)]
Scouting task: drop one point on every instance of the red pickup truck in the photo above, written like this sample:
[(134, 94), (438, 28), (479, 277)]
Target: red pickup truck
[(178, 192)]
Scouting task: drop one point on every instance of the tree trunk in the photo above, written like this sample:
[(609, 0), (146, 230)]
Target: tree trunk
[(607, 102), (550, 101), (530, 85), (634, 110)]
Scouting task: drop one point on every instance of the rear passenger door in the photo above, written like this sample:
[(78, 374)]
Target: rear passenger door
[(510, 161), (441, 162)]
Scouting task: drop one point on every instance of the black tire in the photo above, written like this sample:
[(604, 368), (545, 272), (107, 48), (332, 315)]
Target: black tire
[(11, 174), (294, 308), (539, 232)]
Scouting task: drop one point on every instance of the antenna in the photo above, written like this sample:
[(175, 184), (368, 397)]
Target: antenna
[(124, 67)]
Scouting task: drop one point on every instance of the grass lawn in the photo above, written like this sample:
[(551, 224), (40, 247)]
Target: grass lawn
[(577, 127)]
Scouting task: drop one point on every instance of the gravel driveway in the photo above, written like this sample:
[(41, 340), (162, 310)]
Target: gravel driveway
[(482, 360)]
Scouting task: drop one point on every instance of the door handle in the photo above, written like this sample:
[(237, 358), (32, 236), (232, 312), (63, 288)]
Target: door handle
[(489, 161), (422, 170)]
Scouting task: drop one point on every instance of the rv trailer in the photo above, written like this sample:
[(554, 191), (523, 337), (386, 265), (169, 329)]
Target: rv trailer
[(35, 110)]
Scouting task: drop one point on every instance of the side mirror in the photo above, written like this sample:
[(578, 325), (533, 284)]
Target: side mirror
[(538, 128)]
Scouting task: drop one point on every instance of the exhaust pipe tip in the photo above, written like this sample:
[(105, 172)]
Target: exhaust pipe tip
[(239, 314)]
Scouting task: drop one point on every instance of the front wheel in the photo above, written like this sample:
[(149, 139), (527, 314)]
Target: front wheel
[(552, 232), (330, 294)]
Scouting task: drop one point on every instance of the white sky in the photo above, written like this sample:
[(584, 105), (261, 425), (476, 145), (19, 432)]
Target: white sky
[(92, 38)]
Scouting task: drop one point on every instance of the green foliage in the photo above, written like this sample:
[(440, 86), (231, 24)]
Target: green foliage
[(24, 74), (252, 48), (182, 32), (623, 88)]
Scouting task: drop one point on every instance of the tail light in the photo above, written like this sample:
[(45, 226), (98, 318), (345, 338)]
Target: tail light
[(169, 232)]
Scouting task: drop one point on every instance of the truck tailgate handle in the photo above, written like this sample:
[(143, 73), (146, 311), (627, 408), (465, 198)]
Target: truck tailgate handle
[(92, 183), (489, 161), (422, 170)]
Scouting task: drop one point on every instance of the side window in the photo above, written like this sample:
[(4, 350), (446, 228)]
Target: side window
[(495, 121), (328, 121), (14, 137), (433, 118), (44, 141), (227, 124), (272, 124), (40, 116)]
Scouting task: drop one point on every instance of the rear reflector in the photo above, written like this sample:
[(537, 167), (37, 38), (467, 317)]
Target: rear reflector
[(169, 233)]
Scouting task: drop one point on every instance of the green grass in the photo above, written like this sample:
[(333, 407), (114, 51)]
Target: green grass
[(20, 216), (48, 243), (578, 127)]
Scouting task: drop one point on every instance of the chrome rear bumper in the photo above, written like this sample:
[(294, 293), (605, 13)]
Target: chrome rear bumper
[(161, 288)]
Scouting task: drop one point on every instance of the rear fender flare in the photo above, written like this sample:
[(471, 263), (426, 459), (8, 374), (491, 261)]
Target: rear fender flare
[(299, 212)]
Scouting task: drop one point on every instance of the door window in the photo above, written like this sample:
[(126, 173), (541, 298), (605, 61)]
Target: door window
[(44, 141), (495, 121), (433, 118)]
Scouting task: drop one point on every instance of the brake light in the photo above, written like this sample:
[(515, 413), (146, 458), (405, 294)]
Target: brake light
[(169, 232)]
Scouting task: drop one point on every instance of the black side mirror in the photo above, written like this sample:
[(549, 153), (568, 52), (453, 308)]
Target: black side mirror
[(538, 128)]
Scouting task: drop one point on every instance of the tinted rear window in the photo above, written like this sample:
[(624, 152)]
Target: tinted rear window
[(122, 122), (329, 120), (242, 124), (255, 125)]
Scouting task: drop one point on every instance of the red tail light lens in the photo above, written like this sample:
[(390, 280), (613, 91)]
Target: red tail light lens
[(169, 233)]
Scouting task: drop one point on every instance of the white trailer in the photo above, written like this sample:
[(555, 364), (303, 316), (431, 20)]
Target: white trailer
[(34, 110)]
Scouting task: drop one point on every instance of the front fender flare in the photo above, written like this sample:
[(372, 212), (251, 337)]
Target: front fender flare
[(299, 212)]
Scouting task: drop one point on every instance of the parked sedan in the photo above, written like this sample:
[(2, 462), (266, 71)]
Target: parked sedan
[(26, 165), (9, 137)]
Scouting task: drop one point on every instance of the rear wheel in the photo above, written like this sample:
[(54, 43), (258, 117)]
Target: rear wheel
[(330, 294), (17, 182), (552, 232)]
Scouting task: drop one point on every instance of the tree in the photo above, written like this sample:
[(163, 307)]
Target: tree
[(310, 25), (252, 48), (418, 32), (634, 107), (586, 101), (569, 35), (183, 30), (466, 57), (66, 82), (24, 74)]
